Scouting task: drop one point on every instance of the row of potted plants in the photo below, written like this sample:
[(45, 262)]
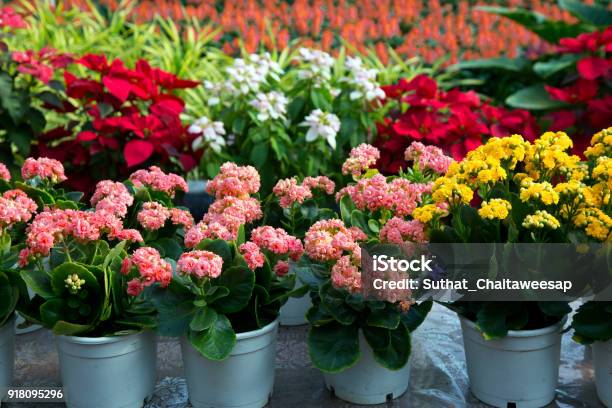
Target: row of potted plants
[(110, 275)]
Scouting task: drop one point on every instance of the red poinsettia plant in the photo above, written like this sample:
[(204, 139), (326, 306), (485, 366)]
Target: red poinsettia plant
[(119, 119), (454, 120), (585, 89)]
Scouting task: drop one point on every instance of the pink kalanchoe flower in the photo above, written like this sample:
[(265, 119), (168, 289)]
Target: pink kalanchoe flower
[(252, 255), (131, 235), (9, 18), (327, 240), (203, 230), (370, 193), (151, 267), (113, 197), (428, 157), (157, 180), (277, 240), (5, 174), (234, 180), (15, 206), (200, 264), (281, 268), (361, 158), (153, 215), (345, 274), (181, 217), (404, 196), (321, 183), (47, 169), (135, 287), (288, 191), (232, 210), (397, 231)]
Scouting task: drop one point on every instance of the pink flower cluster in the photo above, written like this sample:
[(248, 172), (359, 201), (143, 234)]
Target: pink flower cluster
[(346, 273), (360, 160), (375, 193), (52, 225), (157, 180), (40, 64), (47, 169), (113, 197), (154, 215), (397, 231), (428, 157), (5, 174), (252, 255), (234, 180), (232, 208), (327, 240), (275, 240), (151, 269), (15, 206), (200, 264), (289, 191), (8, 18)]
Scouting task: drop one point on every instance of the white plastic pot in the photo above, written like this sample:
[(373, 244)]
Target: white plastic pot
[(520, 370), (7, 355), (245, 379), (293, 313), (602, 357), (367, 382), (102, 372)]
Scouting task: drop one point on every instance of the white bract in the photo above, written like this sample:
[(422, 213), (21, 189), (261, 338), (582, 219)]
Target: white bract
[(318, 65), (363, 80), (322, 125), (271, 105), (211, 133)]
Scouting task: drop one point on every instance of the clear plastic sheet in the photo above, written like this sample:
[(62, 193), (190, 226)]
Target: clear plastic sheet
[(438, 375)]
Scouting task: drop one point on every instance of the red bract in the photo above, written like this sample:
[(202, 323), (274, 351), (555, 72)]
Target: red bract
[(456, 121), (132, 118), (8, 18), (41, 64)]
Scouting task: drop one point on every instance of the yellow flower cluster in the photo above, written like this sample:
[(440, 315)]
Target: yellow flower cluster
[(495, 208), (547, 156), (449, 189), (543, 192), (541, 219), (595, 222), (427, 213), (603, 170), (601, 145)]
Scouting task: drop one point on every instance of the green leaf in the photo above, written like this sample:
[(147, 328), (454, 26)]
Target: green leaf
[(416, 315), (21, 137), (396, 355), (317, 316), (294, 109), (259, 154), (334, 347), (240, 281), (203, 319), (38, 281), (219, 247), (334, 304), (174, 307), (503, 63), (169, 247), (556, 309), (63, 328), (387, 318), (217, 341), (533, 97), (593, 323), (589, 13), (62, 272), (546, 69), (491, 320), (16, 103), (113, 254), (346, 207)]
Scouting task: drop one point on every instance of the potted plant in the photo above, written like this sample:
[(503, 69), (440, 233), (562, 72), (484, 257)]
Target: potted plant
[(88, 271), (592, 323), (362, 344), (225, 296), (511, 191), (16, 209)]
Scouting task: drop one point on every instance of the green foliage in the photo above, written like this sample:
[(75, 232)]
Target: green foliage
[(593, 322)]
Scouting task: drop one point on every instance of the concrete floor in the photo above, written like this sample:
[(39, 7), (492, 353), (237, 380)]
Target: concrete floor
[(438, 377)]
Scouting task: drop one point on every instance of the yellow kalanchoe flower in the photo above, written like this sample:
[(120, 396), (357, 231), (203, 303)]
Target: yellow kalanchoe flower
[(543, 192), (427, 213), (595, 222), (541, 219), (495, 208), (448, 189), (601, 145)]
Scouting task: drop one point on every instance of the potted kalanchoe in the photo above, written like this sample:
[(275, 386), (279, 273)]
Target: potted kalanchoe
[(16, 208), (592, 323), (88, 270), (361, 343), (226, 293), (289, 114), (513, 192)]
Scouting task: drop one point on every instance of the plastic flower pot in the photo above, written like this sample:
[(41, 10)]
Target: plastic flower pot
[(103, 372), (7, 355), (197, 200), (520, 370), (367, 382), (245, 379), (293, 313), (602, 356)]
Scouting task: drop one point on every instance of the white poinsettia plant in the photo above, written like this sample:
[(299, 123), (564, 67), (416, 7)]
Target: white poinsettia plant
[(288, 114)]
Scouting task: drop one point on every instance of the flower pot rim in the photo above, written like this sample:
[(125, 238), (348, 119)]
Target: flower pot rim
[(523, 333), (259, 332), (99, 340), (197, 186)]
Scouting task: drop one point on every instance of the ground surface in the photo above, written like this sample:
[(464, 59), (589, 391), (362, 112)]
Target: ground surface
[(438, 376)]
